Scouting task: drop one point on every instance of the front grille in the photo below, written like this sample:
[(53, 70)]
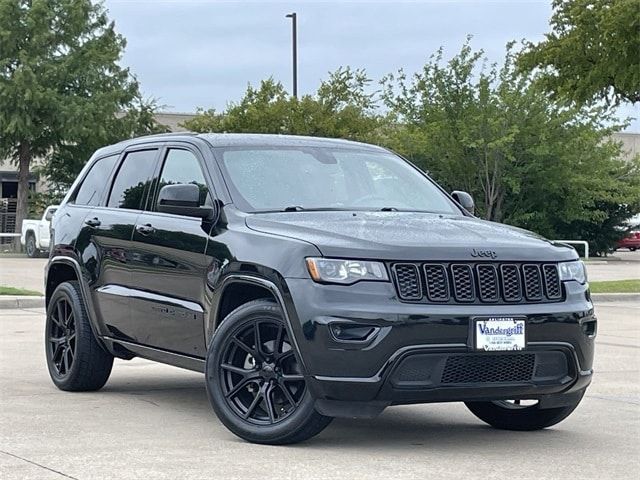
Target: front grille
[(511, 285), (408, 281), (477, 283), (488, 283), (552, 281), (463, 288), (532, 282), (489, 368), (437, 283)]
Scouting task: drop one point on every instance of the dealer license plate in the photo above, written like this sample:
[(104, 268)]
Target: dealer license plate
[(500, 333)]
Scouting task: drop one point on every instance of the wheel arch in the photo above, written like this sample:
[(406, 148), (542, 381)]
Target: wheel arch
[(237, 293), (253, 288), (57, 273)]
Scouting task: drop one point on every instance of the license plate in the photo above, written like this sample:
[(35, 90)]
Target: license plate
[(500, 333)]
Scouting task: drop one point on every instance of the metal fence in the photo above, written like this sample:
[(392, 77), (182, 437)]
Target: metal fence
[(7, 220)]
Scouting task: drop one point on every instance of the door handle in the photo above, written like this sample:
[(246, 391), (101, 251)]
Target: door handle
[(93, 222), (145, 229)]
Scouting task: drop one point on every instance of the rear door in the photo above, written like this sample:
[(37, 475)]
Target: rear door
[(169, 267), (110, 230)]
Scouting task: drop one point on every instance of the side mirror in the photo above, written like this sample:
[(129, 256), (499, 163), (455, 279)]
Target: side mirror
[(49, 215), (465, 200), (182, 199)]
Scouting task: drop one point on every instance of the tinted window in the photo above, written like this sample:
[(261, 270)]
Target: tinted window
[(132, 181), (93, 185), (182, 166)]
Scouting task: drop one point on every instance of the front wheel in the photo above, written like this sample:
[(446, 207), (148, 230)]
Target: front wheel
[(254, 379), (520, 415)]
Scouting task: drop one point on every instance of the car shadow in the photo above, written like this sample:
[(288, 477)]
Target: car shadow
[(437, 427)]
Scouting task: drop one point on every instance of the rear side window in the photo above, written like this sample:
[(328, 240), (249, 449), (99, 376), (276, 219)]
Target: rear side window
[(182, 166), (93, 185), (133, 180)]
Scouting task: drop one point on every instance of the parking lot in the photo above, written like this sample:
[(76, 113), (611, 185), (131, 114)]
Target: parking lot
[(154, 421)]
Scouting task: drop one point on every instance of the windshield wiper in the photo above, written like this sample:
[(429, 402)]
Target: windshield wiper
[(298, 208)]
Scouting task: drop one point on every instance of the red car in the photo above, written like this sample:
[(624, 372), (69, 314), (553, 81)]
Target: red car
[(631, 241)]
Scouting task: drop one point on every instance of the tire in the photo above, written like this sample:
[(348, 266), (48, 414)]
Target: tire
[(257, 388), (32, 250), (76, 361), (506, 416), (632, 249)]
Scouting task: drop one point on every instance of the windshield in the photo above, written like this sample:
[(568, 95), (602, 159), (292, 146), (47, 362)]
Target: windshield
[(318, 178)]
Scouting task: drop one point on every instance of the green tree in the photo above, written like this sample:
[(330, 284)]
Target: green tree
[(592, 52), (61, 89), (341, 108), (527, 160), (64, 162)]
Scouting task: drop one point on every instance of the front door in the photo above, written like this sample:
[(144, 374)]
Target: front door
[(169, 266)]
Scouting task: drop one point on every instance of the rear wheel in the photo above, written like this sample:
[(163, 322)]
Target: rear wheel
[(520, 414), (32, 250), (254, 379), (75, 360)]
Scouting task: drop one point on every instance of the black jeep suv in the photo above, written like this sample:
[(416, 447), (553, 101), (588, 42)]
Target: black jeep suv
[(309, 279)]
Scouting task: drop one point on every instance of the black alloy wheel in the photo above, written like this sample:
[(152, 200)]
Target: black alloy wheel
[(75, 359), (255, 380), (260, 376), (61, 338)]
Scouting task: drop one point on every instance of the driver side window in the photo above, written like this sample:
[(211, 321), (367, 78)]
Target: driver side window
[(183, 167)]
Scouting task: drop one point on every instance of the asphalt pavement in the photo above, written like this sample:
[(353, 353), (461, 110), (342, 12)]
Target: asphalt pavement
[(153, 422)]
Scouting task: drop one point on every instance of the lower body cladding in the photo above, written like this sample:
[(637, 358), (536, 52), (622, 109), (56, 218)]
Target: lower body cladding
[(363, 350)]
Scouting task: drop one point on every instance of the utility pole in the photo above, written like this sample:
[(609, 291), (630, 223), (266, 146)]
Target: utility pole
[(294, 38)]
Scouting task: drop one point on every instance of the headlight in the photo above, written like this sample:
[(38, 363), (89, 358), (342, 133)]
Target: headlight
[(331, 270), (573, 271)]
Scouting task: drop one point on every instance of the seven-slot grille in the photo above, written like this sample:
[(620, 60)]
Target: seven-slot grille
[(477, 282)]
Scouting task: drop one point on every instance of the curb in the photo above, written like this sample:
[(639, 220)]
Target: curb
[(9, 302), (615, 297)]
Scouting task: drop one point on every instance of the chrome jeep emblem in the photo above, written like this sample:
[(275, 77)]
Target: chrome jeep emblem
[(483, 253)]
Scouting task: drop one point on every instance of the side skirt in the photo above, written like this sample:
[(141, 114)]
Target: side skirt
[(157, 355)]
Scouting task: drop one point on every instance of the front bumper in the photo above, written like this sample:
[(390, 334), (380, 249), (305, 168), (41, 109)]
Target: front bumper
[(422, 353)]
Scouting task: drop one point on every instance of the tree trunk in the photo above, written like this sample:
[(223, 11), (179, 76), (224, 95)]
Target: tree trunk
[(24, 159)]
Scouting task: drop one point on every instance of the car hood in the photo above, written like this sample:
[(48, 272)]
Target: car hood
[(409, 236)]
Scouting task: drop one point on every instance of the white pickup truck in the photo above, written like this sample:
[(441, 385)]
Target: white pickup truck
[(35, 234)]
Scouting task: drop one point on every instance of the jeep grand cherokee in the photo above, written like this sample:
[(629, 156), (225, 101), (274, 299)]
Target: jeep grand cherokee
[(308, 279)]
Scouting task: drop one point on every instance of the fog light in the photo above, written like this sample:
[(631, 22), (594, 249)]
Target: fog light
[(347, 332)]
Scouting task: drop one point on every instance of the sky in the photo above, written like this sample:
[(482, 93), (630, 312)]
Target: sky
[(202, 54)]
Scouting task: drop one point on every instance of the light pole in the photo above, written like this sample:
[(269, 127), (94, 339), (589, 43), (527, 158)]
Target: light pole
[(294, 39)]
